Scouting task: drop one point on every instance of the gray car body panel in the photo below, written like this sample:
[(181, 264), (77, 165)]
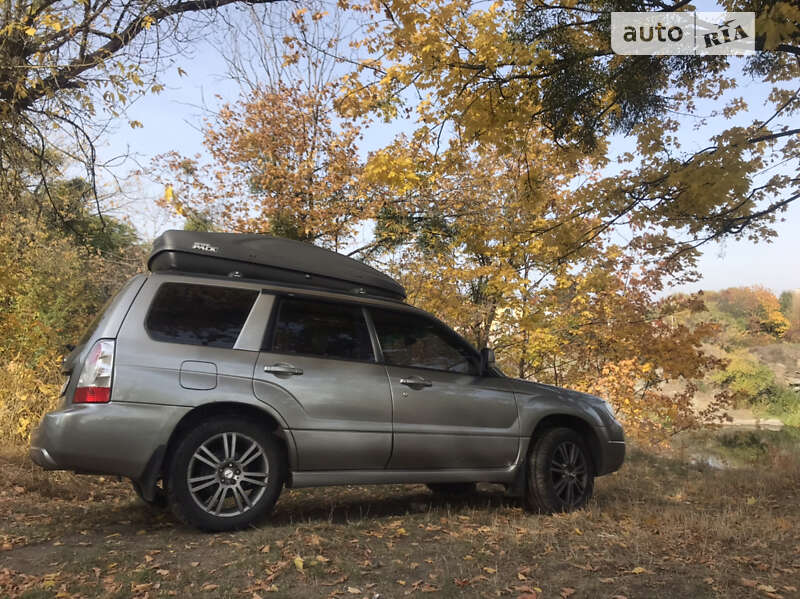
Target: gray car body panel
[(343, 422), (107, 326), (481, 432), (116, 438), (339, 412)]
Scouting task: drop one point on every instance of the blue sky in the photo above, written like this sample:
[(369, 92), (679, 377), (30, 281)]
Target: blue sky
[(171, 121)]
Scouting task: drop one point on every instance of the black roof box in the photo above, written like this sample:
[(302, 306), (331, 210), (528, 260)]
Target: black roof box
[(266, 258)]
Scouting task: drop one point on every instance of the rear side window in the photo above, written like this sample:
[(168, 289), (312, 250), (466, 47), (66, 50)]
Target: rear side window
[(414, 341), (321, 329), (199, 314)]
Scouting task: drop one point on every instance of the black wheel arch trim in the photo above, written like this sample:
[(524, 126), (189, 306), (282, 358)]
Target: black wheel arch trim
[(154, 469), (587, 430)]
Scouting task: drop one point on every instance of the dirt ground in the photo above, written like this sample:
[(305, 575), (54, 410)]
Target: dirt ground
[(661, 527)]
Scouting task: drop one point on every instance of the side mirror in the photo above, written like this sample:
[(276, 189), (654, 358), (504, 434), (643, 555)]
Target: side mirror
[(487, 360)]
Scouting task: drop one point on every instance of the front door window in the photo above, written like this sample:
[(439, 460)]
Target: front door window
[(414, 341)]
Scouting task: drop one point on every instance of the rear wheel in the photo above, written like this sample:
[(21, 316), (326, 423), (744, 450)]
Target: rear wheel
[(454, 489), (560, 472), (225, 474)]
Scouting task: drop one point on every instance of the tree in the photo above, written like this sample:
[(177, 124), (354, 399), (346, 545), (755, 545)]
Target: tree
[(198, 221), (278, 164), (478, 238), (58, 266), (501, 73), (63, 63), (602, 230), (279, 160), (505, 212), (756, 309), (794, 313), (786, 300)]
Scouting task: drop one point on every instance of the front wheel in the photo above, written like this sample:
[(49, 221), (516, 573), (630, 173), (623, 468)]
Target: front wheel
[(225, 475), (560, 472)]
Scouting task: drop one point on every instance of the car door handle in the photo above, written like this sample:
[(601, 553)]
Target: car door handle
[(283, 368), (416, 381)]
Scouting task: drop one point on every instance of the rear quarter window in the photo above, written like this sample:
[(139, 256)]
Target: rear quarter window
[(206, 315), (105, 312)]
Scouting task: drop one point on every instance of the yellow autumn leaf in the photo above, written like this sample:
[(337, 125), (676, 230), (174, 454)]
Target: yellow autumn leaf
[(766, 588)]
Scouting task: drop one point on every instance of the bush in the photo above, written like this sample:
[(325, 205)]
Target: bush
[(747, 379), (785, 405), (754, 384), (29, 390), (50, 288)]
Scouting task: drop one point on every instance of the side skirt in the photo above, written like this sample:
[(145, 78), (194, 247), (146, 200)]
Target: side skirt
[(328, 478)]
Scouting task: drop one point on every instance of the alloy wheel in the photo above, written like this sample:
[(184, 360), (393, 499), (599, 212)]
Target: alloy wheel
[(228, 474), (570, 474)]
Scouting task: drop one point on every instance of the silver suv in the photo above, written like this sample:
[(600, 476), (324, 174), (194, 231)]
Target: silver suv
[(241, 364)]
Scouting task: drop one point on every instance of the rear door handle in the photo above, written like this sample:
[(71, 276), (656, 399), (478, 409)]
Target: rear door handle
[(416, 381), (283, 368)]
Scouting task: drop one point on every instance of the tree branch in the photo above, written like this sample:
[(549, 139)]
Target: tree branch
[(65, 78), (790, 49), (769, 136)]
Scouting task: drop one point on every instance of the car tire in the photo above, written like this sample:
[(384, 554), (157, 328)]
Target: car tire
[(452, 489), (560, 472), (225, 474), (159, 498)]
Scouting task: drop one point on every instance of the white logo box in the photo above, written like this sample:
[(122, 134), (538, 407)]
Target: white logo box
[(687, 33)]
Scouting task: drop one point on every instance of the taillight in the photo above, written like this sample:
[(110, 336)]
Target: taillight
[(94, 384)]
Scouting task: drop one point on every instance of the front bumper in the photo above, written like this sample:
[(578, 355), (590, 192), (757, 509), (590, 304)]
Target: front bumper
[(613, 457), (116, 438), (611, 444)]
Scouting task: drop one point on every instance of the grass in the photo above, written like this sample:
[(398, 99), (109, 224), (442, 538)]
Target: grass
[(661, 527), (739, 448)]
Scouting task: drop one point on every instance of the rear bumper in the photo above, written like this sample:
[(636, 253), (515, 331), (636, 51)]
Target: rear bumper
[(41, 457), (114, 438)]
